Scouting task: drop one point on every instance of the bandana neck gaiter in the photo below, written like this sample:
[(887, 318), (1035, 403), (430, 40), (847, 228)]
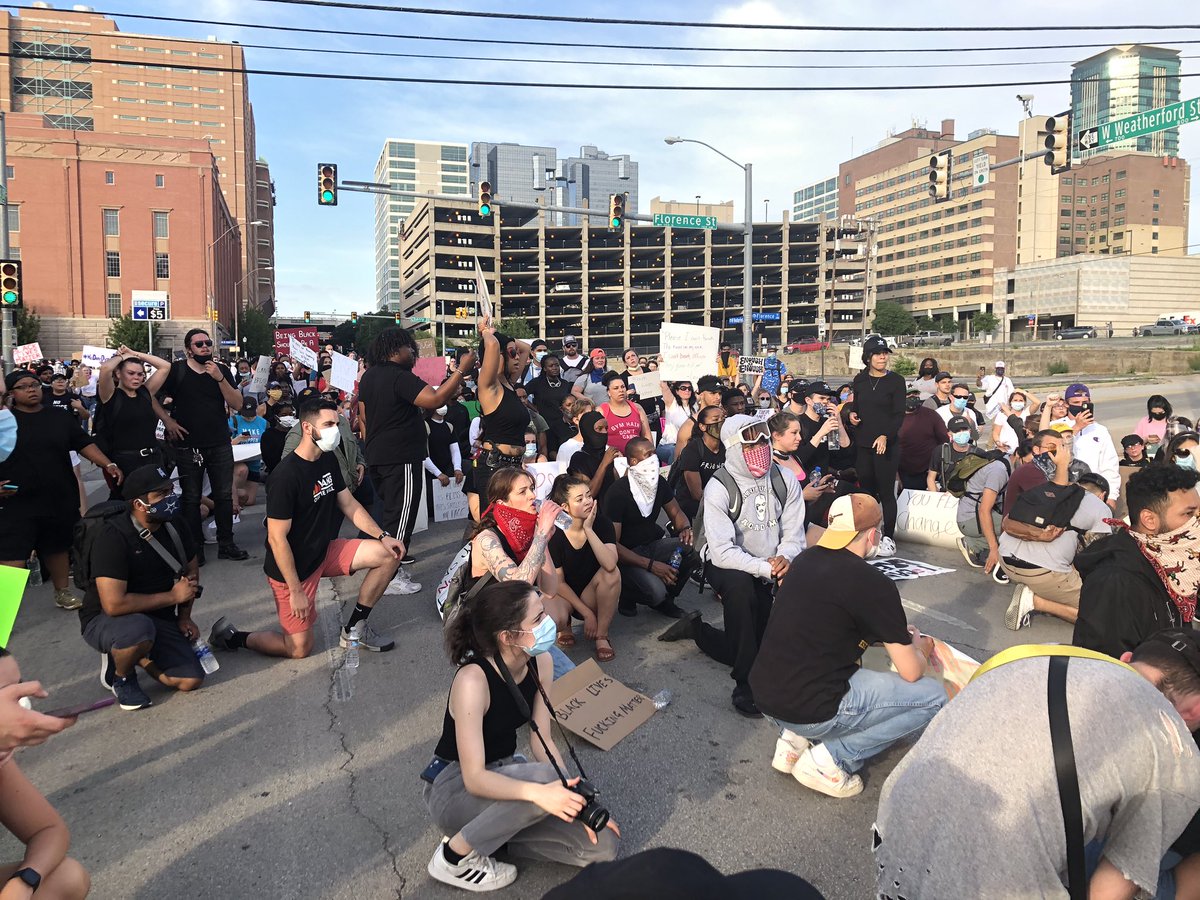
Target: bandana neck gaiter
[(517, 527), (1175, 556)]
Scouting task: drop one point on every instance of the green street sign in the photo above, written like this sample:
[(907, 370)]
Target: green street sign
[(1148, 122), (663, 220)]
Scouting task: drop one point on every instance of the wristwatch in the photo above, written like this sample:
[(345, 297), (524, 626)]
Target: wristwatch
[(29, 876)]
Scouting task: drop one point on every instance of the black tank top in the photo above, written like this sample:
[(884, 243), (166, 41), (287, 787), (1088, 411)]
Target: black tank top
[(507, 423), (500, 722)]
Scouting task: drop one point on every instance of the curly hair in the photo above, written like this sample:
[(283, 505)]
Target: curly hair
[(388, 343)]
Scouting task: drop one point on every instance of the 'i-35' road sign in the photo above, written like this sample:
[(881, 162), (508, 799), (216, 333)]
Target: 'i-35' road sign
[(1148, 122)]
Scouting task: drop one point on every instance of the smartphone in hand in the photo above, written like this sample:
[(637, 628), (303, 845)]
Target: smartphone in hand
[(70, 712)]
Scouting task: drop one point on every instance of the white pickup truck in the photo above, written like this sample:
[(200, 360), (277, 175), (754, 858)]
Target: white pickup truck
[(1163, 326)]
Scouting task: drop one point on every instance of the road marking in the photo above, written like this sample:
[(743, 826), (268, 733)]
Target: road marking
[(934, 614)]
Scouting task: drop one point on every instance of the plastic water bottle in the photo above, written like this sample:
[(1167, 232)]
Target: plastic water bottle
[(563, 520), (677, 558), (350, 660), (662, 699), (35, 570), (208, 662)]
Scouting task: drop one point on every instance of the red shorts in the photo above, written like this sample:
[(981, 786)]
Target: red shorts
[(339, 558)]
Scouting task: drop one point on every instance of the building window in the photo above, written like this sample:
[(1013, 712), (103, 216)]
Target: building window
[(1120, 193), (454, 154), (1155, 207), (9, 173), (1154, 221), (1154, 235), (14, 218), (162, 225), (1156, 192), (1121, 175), (162, 265), (110, 177), (112, 223), (112, 263), (160, 181), (113, 310)]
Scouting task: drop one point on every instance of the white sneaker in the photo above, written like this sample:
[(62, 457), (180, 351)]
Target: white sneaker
[(1020, 608), (401, 584), (787, 751), (816, 770), (474, 873), (886, 548)]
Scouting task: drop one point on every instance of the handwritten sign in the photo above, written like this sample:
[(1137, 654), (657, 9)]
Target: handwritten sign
[(544, 475), (430, 369), (449, 502), (927, 517), (426, 347), (688, 352), (306, 336), (95, 356), (597, 707), (262, 372), (302, 354), (750, 365), (27, 353), (647, 385), (344, 373)]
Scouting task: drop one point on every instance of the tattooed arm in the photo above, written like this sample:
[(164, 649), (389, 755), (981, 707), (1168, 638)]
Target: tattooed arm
[(501, 565)]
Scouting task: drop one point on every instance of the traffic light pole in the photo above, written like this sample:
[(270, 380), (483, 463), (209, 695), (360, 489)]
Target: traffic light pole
[(9, 337)]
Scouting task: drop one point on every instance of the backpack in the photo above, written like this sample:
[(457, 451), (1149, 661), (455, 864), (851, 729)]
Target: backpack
[(1047, 504), (972, 462), (449, 594), (88, 528), (778, 486)]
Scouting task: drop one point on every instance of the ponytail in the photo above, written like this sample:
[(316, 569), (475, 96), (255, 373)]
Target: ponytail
[(472, 630)]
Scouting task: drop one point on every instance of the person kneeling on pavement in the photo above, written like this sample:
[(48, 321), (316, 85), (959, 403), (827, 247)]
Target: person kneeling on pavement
[(144, 580), (753, 527), (832, 605)]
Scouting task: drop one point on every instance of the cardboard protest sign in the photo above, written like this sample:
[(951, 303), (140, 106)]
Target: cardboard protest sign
[(344, 373), (688, 351), (430, 369), (647, 385), (426, 347), (262, 372), (597, 707), (750, 365), (449, 502), (544, 475), (926, 517), (27, 353), (301, 353), (306, 336), (96, 356)]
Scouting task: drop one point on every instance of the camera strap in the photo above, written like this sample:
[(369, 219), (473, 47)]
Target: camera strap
[(523, 708)]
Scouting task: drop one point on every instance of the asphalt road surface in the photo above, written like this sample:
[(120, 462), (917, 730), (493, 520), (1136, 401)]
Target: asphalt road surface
[(285, 779)]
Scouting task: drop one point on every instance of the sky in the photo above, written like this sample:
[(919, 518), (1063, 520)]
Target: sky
[(325, 256)]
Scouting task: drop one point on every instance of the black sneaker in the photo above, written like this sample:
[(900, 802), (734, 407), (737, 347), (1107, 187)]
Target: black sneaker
[(231, 551), (108, 670), (684, 629), (221, 634), (743, 702), (129, 693), (670, 610), (407, 560)]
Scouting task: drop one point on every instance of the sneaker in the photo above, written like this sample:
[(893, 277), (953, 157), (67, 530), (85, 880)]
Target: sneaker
[(1000, 576), (108, 670), (222, 632), (743, 702), (129, 693), (886, 548), (972, 559), (1020, 608), (788, 748), (401, 584), (816, 770), (407, 560), (64, 599), (365, 638), (231, 551), (473, 873)]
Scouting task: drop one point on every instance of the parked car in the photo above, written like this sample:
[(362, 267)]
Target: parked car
[(931, 339), (806, 346), (1074, 333), (1163, 326), (858, 342)]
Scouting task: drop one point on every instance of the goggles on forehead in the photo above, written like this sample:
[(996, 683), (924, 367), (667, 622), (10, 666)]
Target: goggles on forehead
[(755, 432)]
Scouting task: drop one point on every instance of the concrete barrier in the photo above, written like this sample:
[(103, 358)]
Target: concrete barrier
[(925, 517)]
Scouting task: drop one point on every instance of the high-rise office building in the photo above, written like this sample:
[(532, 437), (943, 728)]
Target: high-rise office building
[(1123, 81), (428, 167), (817, 202)]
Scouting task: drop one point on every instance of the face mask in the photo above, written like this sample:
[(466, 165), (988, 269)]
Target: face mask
[(844, 396), (202, 358), (927, 373), (758, 458), (288, 421), (275, 393), (1073, 411), (713, 429), (163, 510), (959, 403), (595, 440), (328, 438), (647, 470), (531, 449), (538, 356), (820, 408), (544, 634), (764, 403), (441, 411), (1045, 462), (961, 438), (912, 404), (1018, 405), (1186, 462), (1158, 416), (771, 355)]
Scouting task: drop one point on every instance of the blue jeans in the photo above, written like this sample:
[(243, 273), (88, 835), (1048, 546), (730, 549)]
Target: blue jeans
[(666, 453), (562, 663), (879, 709)]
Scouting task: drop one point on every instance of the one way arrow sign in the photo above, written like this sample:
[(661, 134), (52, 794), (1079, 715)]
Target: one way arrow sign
[(1088, 139)]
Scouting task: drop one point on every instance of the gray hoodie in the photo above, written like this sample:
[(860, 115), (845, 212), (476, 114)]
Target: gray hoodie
[(763, 529)]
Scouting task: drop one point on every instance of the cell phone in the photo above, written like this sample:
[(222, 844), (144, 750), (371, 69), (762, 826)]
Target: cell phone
[(70, 712), (245, 434), (1089, 407), (12, 487)]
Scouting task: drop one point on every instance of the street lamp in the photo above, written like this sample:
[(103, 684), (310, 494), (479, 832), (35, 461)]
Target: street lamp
[(209, 251), (748, 242), (237, 313)]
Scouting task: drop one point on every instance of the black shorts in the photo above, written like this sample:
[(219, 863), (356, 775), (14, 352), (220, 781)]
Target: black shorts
[(171, 651), (20, 535)]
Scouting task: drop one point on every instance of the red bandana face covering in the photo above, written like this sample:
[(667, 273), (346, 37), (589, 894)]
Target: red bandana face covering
[(516, 525), (758, 458)]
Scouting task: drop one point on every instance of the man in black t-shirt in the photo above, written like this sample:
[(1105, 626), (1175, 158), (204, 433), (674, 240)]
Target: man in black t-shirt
[(817, 422), (549, 390), (831, 606), (305, 495), (138, 610), (644, 552), (202, 389)]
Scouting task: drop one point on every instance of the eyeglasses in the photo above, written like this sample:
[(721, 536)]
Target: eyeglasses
[(202, 343), (28, 386)]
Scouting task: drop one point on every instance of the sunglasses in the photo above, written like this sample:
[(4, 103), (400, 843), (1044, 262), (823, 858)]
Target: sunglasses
[(961, 396), (684, 389), (513, 352), (202, 343)]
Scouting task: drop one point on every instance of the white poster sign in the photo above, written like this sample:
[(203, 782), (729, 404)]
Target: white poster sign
[(344, 374), (688, 352), (750, 365), (262, 372), (27, 353), (306, 356), (927, 517), (544, 475), (95, 356), (449, 502), (648, 384)]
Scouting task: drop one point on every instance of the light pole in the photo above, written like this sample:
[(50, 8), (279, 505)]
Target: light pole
[(209, 253), (237, 317), (748, 248)]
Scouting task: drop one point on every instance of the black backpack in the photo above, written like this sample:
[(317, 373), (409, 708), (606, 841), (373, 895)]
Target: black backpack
[(86, 530), (1047, 505)]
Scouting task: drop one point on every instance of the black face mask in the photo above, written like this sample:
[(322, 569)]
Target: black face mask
[(912, 404), (1158, 416), (202, 358), (594, 440)]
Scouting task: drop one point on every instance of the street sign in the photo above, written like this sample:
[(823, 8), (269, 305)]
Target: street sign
[(980, 167), (1148, 122), (665, 220), (758, 317), (149, 306)]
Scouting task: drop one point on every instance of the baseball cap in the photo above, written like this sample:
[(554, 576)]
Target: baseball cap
[(942, 376), (249, 406), (1000, 364), (817, 387), (11, 379), (772, 348), (710, 384), (958, 423), (570, 339), (875, 345), (848, 515), (597, 352), (1131, 439), (309, 393), (1078, 389), (145, 480), (59, 375)]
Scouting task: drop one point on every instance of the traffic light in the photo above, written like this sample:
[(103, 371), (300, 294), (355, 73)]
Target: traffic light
[(940, 165), (10, 284), (326, 184), (307, 317), (353, 318), (616, 212), (1058, 143), (214, 315), (397, 318), (485, 199)]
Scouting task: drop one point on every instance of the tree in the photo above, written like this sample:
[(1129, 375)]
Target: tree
[(344, 335), (893, 319), (517, 328), (927, 323), (126, 332), (27, 324), (258, 337), (368, 329), (984, 322)]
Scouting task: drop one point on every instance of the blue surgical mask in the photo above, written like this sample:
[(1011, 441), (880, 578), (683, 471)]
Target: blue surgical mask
[(544, 633), (538, 356), (961, 438), (1186, 462), (844, 396), (959, 403), (162, 511)]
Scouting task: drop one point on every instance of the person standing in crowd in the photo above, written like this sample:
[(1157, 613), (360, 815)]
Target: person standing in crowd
[(879, 401), (679, 407), (773, 372), (708, 393), (478, 791), (537, 353), (504, 416), (585, 560), (62, 397), (572, 362), (921, 434), (306, 495), (946, 457), (750, 543), (126, 422), (1093, 444), (644, 551), (391, 402), (574, 409), (1153, 426), (625, 420), (727, 363), (444, 461), (926, 383), (997, 389), (549, 389), (653, 407), (1143, 577), (138, 609), (39, 497), (699, 459), (1134, 452), (595, 461), (1137, 767), (835, 714), (84, 383), (202, 388), (961, 399), (943, 385), (591, 383)]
